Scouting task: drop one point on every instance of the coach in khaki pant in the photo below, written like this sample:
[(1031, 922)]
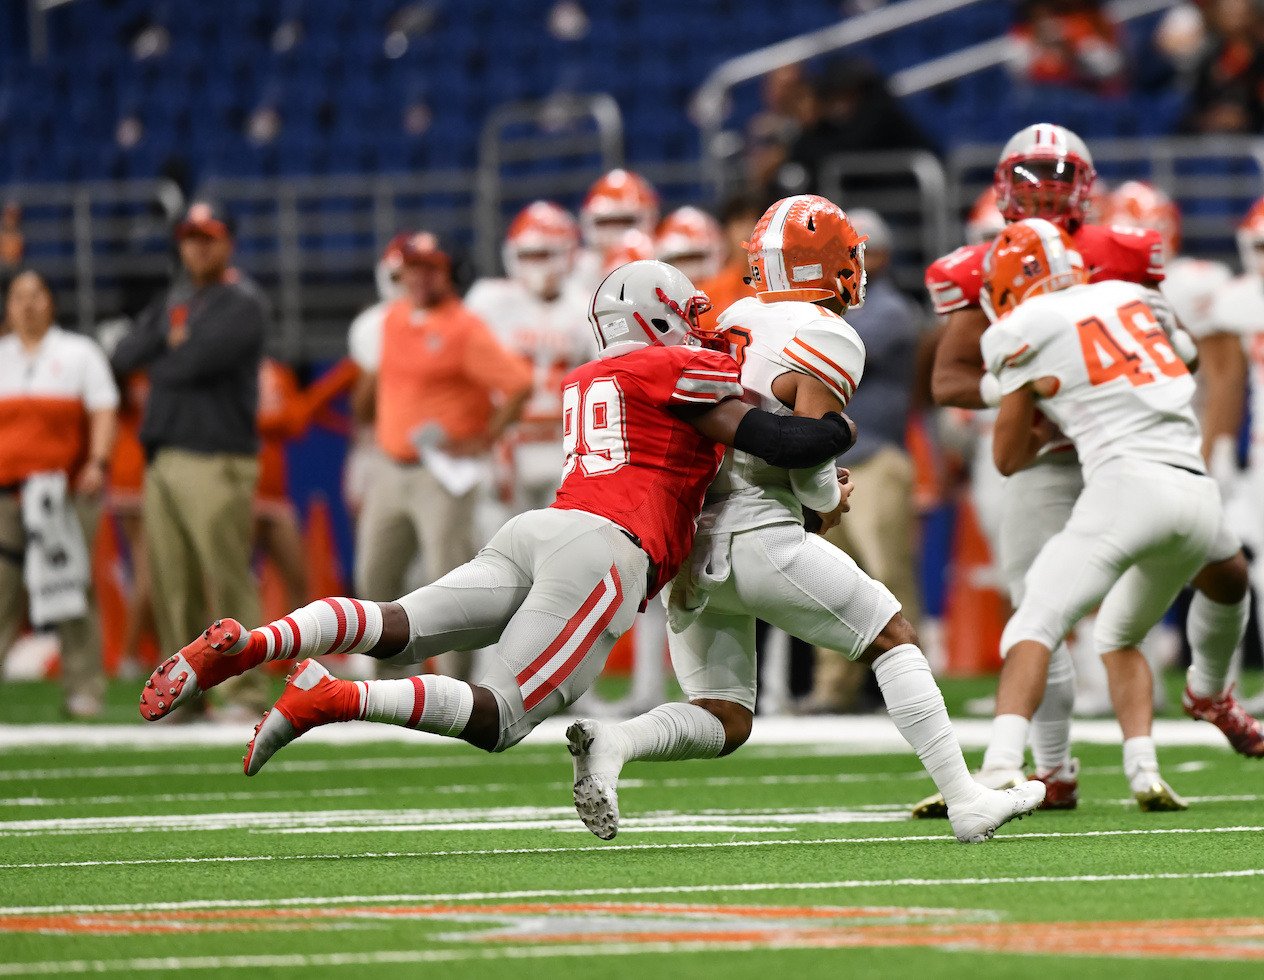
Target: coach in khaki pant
[(201, 346), (58, 413), (880, 530), (437, 383)]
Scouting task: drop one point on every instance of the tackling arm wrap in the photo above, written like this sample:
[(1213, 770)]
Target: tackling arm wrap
[(791, 442)]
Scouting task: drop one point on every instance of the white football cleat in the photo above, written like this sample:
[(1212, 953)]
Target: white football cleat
[(1154, 795), (597, 765), (934, 807), (978, 820)]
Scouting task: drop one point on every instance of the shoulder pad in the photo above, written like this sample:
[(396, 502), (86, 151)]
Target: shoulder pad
[(954, 280), (1115, 252), (830, 351)]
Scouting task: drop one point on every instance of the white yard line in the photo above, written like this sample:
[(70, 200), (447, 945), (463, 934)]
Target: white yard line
[(847, 735), (615, 892), (943, 838)]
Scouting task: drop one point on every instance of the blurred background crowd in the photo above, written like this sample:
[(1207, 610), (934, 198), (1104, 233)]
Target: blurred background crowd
[(250, 407)]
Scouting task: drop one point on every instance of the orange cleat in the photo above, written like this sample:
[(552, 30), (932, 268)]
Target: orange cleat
[(1244, 733), (1062, 786), (209, 660), (312, 697)]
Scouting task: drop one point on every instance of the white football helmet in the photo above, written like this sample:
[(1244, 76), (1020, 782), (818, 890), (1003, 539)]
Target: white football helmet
[(1045, 171), (648, 302)]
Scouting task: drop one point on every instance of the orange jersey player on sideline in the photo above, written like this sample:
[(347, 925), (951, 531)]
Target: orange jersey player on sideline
[(1046, 171), (646, 426)]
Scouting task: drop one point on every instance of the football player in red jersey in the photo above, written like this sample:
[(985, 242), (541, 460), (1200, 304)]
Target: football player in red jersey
[(1046, 171), (645, 426)]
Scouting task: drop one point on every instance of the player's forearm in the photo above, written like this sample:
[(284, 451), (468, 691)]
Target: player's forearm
[(1015, 441), (793, 442), (102, 428), (957, 385), (816, 487), (1223, 365)]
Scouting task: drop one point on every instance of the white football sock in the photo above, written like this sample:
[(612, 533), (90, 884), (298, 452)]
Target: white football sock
[(916, 705), (669, 733), (1051, 724), (1215, 631), (429, 703), (1008, 742), (1141, 763), (325, 626)]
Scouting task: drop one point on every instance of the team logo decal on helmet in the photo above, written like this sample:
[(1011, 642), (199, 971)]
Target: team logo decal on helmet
[(805, 248)]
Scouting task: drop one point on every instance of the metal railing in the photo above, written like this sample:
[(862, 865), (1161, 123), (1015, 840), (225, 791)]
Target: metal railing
[(93, 240)]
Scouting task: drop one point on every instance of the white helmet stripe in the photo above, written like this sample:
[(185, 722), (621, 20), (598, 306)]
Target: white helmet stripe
[(772, 245)]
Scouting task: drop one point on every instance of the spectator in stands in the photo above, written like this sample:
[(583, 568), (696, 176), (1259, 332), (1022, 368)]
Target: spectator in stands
[(880, 530), (58, 405), (201, 345), (1228, 92), (1067, 42), (440, 390), (857, 113), (737, 216)]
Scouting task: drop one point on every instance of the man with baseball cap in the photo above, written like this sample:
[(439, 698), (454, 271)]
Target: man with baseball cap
[(440, 390), (201, 345)]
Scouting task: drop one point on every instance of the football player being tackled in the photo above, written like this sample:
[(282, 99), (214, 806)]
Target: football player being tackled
[(1045, 171), (645, 428), (1096, 361), (753, 559)]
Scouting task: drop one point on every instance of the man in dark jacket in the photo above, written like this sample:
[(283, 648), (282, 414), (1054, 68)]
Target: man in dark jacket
[(201, 345)]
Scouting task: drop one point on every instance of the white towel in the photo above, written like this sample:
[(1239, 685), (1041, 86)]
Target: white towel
[(56, 569)]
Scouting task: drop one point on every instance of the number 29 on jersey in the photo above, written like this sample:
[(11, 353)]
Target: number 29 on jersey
[(594, 427)]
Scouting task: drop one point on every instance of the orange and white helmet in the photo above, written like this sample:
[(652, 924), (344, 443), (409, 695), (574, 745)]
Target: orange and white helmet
[(1251, 240), (386, 272), (632, 245), (1027, 259), (692, 241), (649, 302), (985, 221), (540, 247), (1136, 204), (805, 248), (1045, 171), (619, 201)]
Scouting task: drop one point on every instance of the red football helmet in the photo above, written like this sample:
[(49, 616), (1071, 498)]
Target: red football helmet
[(985, 221), (540, 247), (692, 241), (1028, 258), (617, 202), (1045, 171), (1135, 204), (632, 245), (805, 248), (1251, 240)]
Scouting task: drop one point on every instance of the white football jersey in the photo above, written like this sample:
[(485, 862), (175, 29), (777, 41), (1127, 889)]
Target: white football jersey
[(554, 336), (1123, 390), (1240, 309), (1192, 287), (769, 340)]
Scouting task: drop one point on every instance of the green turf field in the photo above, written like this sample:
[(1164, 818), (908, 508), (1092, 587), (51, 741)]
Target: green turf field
[(411, 859)]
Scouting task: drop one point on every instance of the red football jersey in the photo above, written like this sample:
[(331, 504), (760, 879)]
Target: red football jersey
[(629, 458), (1130, 254)]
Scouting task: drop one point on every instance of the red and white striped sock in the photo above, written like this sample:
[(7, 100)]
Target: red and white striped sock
[(429, 703), (322, 627)]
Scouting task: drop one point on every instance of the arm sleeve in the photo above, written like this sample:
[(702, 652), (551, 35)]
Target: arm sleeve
[(1009, 355), (488, 363), (210, 351), (791, 442), (143, 343), (364, 338), (816, 488), (706, 378), (833, 353), (99, 389)]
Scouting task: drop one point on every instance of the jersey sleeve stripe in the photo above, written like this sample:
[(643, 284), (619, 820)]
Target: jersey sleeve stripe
[(1017, 354), (831, 383), (816, 353), (708, 386), (720, 375), (704, 399)]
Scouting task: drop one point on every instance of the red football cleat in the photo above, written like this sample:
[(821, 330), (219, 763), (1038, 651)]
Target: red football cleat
[(1244, 733), (1062, 786), (209, 660), (312, 697)]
